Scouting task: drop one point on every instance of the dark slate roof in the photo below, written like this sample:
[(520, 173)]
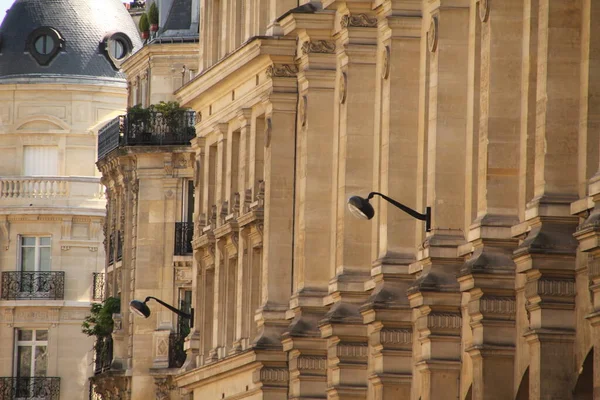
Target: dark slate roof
[(82, 23), (180, 16)]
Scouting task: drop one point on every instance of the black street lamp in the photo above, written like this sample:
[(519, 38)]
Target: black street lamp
[(140, 308), (361, 208)]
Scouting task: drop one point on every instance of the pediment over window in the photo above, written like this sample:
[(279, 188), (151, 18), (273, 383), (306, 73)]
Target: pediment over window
[(43, 124)]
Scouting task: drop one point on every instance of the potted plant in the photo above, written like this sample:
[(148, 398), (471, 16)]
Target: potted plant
[(153, 17), (144, 26)]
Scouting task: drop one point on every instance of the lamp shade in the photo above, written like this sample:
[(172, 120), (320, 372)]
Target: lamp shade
[(360, 207), (140, 308)]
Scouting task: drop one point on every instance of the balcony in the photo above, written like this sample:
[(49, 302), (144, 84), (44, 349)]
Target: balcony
[(176, 352), (38, 388), (153, 129), (184, 232), (19, 285), (103, 355), (51, 191), (98, 286)]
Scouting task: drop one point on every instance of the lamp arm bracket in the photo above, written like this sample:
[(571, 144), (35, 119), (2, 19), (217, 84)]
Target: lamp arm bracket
[(401, 206), (170, 307)]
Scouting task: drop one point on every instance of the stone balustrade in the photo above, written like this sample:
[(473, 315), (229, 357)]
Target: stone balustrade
[(52, 191)]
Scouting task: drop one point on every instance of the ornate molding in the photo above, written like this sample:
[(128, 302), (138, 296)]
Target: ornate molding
[(444, 320), (358, 21), (432, 34), (352, 350), (343, 87), (318, 46), (498, 305), (282, 71), (395, 336), (302, 108), (164, 385), (385, 74), (551, 287), (484, 10), (274, 375), (312, 363)]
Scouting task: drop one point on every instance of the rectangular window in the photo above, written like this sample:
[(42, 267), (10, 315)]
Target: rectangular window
[(40, 160), (31, 360), (35, 253), (188, 202)]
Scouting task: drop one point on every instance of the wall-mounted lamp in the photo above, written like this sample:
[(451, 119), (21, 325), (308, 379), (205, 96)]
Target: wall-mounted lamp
[(140, 308), (361, 208)]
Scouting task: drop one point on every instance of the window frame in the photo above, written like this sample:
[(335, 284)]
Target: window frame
[(33, 343), (37, 247), (58, 41)]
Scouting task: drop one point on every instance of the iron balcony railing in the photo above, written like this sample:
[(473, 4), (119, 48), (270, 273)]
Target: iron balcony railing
[(20, 285), (146, 129), (119, 246), (184, 233), (98, 287), (25, 388), (176, 352), (103, 355)]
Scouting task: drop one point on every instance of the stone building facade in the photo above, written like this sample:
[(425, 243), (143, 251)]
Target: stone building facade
[(147, 166), (484, 110), (59, 82)]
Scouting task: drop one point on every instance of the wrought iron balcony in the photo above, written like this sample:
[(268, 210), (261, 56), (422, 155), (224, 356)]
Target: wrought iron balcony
[(24, 388), (119, 246), (20, 285), (98, 287), (176, 352), (151, 129), (184, 233), (103, 355)]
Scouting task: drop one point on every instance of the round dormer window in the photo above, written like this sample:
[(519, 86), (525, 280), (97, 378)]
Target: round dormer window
[(44, 44), (117, 47)]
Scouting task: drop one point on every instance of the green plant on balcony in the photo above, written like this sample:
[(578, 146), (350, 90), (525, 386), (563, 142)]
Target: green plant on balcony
[(172, 113), (139, 119), (100, 324)]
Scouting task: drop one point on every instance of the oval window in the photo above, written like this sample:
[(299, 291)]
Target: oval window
[(44, 44), (118, 49)]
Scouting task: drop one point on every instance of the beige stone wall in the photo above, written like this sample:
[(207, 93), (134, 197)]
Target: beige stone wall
[(69, 207)]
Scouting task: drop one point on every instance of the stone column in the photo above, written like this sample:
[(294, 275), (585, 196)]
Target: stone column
[(547, 255), (276, 280), (312, 235), (486, 279), (354, 160), (435, 296), (387, 313)]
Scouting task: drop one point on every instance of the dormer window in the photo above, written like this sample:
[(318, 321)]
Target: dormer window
[(44, 44), (117, 48)]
